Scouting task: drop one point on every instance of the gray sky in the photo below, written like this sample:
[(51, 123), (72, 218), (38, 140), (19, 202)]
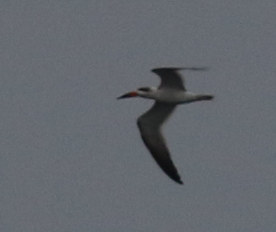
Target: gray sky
[(71, 156)]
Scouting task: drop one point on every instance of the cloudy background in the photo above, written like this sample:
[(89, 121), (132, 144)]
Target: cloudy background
[(71, 158)]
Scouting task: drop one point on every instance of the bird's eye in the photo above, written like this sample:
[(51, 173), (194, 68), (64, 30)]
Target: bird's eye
[(145, 89)]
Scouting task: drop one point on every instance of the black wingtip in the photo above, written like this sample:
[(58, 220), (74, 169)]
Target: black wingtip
[(177, 179), (179, 182), (173, 174)]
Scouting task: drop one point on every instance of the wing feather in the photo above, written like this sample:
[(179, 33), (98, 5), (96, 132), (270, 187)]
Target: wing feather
[(171, 78), (149, 125)]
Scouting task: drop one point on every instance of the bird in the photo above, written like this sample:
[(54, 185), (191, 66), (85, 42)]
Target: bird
[(167, 96)]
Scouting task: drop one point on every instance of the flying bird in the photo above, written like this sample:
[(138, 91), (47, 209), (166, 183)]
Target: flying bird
[(167, 96)]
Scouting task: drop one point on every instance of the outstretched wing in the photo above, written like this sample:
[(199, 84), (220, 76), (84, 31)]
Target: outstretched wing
[(171, 78), (149, 125)]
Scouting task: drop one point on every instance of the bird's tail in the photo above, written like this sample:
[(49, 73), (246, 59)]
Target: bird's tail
[(205, 97)]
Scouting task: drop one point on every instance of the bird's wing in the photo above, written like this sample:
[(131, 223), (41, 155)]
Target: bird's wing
[(150, 128), (170, 77)]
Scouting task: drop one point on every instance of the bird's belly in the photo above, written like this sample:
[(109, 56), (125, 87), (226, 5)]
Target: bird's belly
[(176, 97)]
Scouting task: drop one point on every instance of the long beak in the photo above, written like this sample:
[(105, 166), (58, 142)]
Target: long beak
[(127, 95)]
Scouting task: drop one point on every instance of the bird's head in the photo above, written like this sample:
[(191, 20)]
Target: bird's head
[(141, 92)]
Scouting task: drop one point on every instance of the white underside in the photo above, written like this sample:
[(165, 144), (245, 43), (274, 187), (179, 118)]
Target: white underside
[(172, 96)]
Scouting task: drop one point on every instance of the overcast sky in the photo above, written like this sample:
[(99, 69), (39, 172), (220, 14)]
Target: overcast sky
[(71, 158)]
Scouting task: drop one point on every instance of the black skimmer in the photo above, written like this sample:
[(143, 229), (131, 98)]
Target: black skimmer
[(167, 96)]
